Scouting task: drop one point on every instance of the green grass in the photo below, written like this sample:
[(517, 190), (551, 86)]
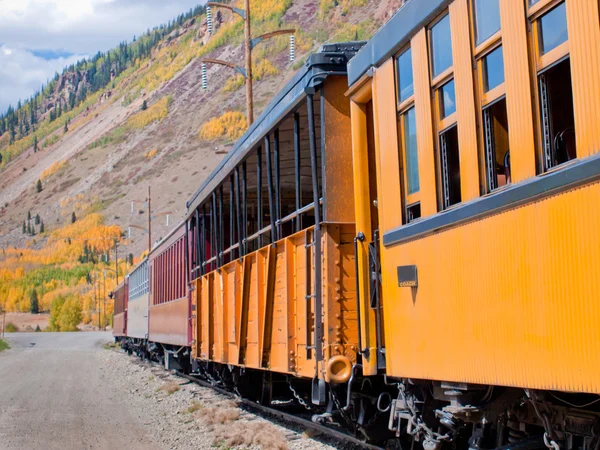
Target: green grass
[(3, 345)]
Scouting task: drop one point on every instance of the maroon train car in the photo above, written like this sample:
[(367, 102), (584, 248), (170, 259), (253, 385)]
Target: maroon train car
[(120, 311), (170, 328)]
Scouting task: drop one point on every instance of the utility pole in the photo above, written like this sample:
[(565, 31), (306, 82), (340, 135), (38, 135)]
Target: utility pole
[(104, 301), (248, 49), (149, 221), (249, 44), (117, 260), (3, 311)]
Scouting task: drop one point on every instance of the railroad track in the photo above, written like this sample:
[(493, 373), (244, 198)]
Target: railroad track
[(271, 412)]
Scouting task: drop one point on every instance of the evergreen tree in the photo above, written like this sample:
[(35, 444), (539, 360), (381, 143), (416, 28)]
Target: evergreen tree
[(37, 219), (35, 143), (130, 259), (73, 217), (66, 128), (41, 227), (24, 228), (34, 307), (0, 156), (38, 186), (37, 328), (28, 216), (28, 228), (144, 106)]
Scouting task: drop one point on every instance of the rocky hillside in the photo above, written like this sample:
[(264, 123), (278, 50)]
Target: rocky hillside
[(145, 127)]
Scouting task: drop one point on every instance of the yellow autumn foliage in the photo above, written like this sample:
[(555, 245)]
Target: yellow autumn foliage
[(155, 113), (55, 167), (151, 154), (232, 125)]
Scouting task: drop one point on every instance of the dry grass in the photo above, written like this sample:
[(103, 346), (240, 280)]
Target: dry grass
[(195, 406), (222, 413), (55, 167), (250, 434), (169, 388)]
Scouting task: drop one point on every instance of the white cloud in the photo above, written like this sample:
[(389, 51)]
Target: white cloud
[(77, 27)]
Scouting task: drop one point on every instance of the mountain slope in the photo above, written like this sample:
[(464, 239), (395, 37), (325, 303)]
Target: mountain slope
[(113, 150)]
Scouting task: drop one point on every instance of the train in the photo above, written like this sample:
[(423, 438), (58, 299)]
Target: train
[(404, 243)]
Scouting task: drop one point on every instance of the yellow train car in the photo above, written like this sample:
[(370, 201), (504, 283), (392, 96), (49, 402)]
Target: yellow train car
[(475, 134), (270, 240)]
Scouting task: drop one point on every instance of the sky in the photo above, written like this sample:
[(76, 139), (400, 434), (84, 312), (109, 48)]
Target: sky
[(41, 37)]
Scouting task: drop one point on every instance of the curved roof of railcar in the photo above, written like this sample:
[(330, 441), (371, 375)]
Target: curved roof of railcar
[(390, 38), (330, 60)]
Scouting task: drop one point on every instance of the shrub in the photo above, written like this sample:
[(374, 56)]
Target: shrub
[(3, 345), (34, 307), (151, 154), (232, 124), (47, 173), (11, 328), (70, 315), (263, 70), (155, 113)]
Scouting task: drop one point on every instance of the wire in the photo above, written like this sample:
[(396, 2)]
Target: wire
[(572, 404)]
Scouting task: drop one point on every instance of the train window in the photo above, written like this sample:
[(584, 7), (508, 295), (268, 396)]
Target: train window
[(533, 2), (411, 151), (497, 157), (413, 212), (405, 76), (558, 119), (487, 19), (447, 98), (552, 29), (493, 69), (555, 91), (441, 46), (450, 165)]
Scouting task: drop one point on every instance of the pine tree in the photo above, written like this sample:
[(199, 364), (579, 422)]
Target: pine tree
[(24, 228), (35, 143), (144, 106), (34, 307), (37, 219), (37, 328), (28, 216), (0, 156), (28, 228), (130, 259), (38, 186), (66, 128), (41, 227), (73, 217)]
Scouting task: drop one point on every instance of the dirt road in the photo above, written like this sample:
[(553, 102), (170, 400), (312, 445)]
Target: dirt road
[(55, 394)]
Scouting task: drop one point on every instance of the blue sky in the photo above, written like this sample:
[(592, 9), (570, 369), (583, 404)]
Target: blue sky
[(40, 37)]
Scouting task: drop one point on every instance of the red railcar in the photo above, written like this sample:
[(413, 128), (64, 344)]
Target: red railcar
[(120, 310), (169, 328)]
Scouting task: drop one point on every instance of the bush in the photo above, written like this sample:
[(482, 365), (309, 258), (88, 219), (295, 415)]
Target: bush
[(232, 124), (3, 345), (70, 315), (11, 328), (37, 329), (34, 307)]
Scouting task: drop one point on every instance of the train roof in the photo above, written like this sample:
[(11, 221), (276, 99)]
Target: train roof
[(331, 59), (390, 38)]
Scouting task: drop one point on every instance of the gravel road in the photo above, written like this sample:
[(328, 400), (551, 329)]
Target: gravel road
[(54, 394), (66, 391)]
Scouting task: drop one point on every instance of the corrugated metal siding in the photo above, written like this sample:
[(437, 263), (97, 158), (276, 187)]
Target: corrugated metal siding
[(584, 44), (465, 100), (511, 299), (137, 317), (519, 104)]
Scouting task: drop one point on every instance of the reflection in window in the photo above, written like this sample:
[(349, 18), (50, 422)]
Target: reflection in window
[(487, 19), (405, 76), (553, 29), (493, 69), (447, 100), (441, 46), (411, 150), (533, 2)]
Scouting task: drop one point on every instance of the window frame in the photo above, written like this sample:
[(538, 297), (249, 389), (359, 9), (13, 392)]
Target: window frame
[(441, 125), (402, 108)]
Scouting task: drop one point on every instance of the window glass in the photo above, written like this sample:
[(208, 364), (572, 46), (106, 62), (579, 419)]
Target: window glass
[(447, 100), (493, 69), (405, 76), (487, 19), (410, 147), (533, 2), (553, 29), (441, 46)]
